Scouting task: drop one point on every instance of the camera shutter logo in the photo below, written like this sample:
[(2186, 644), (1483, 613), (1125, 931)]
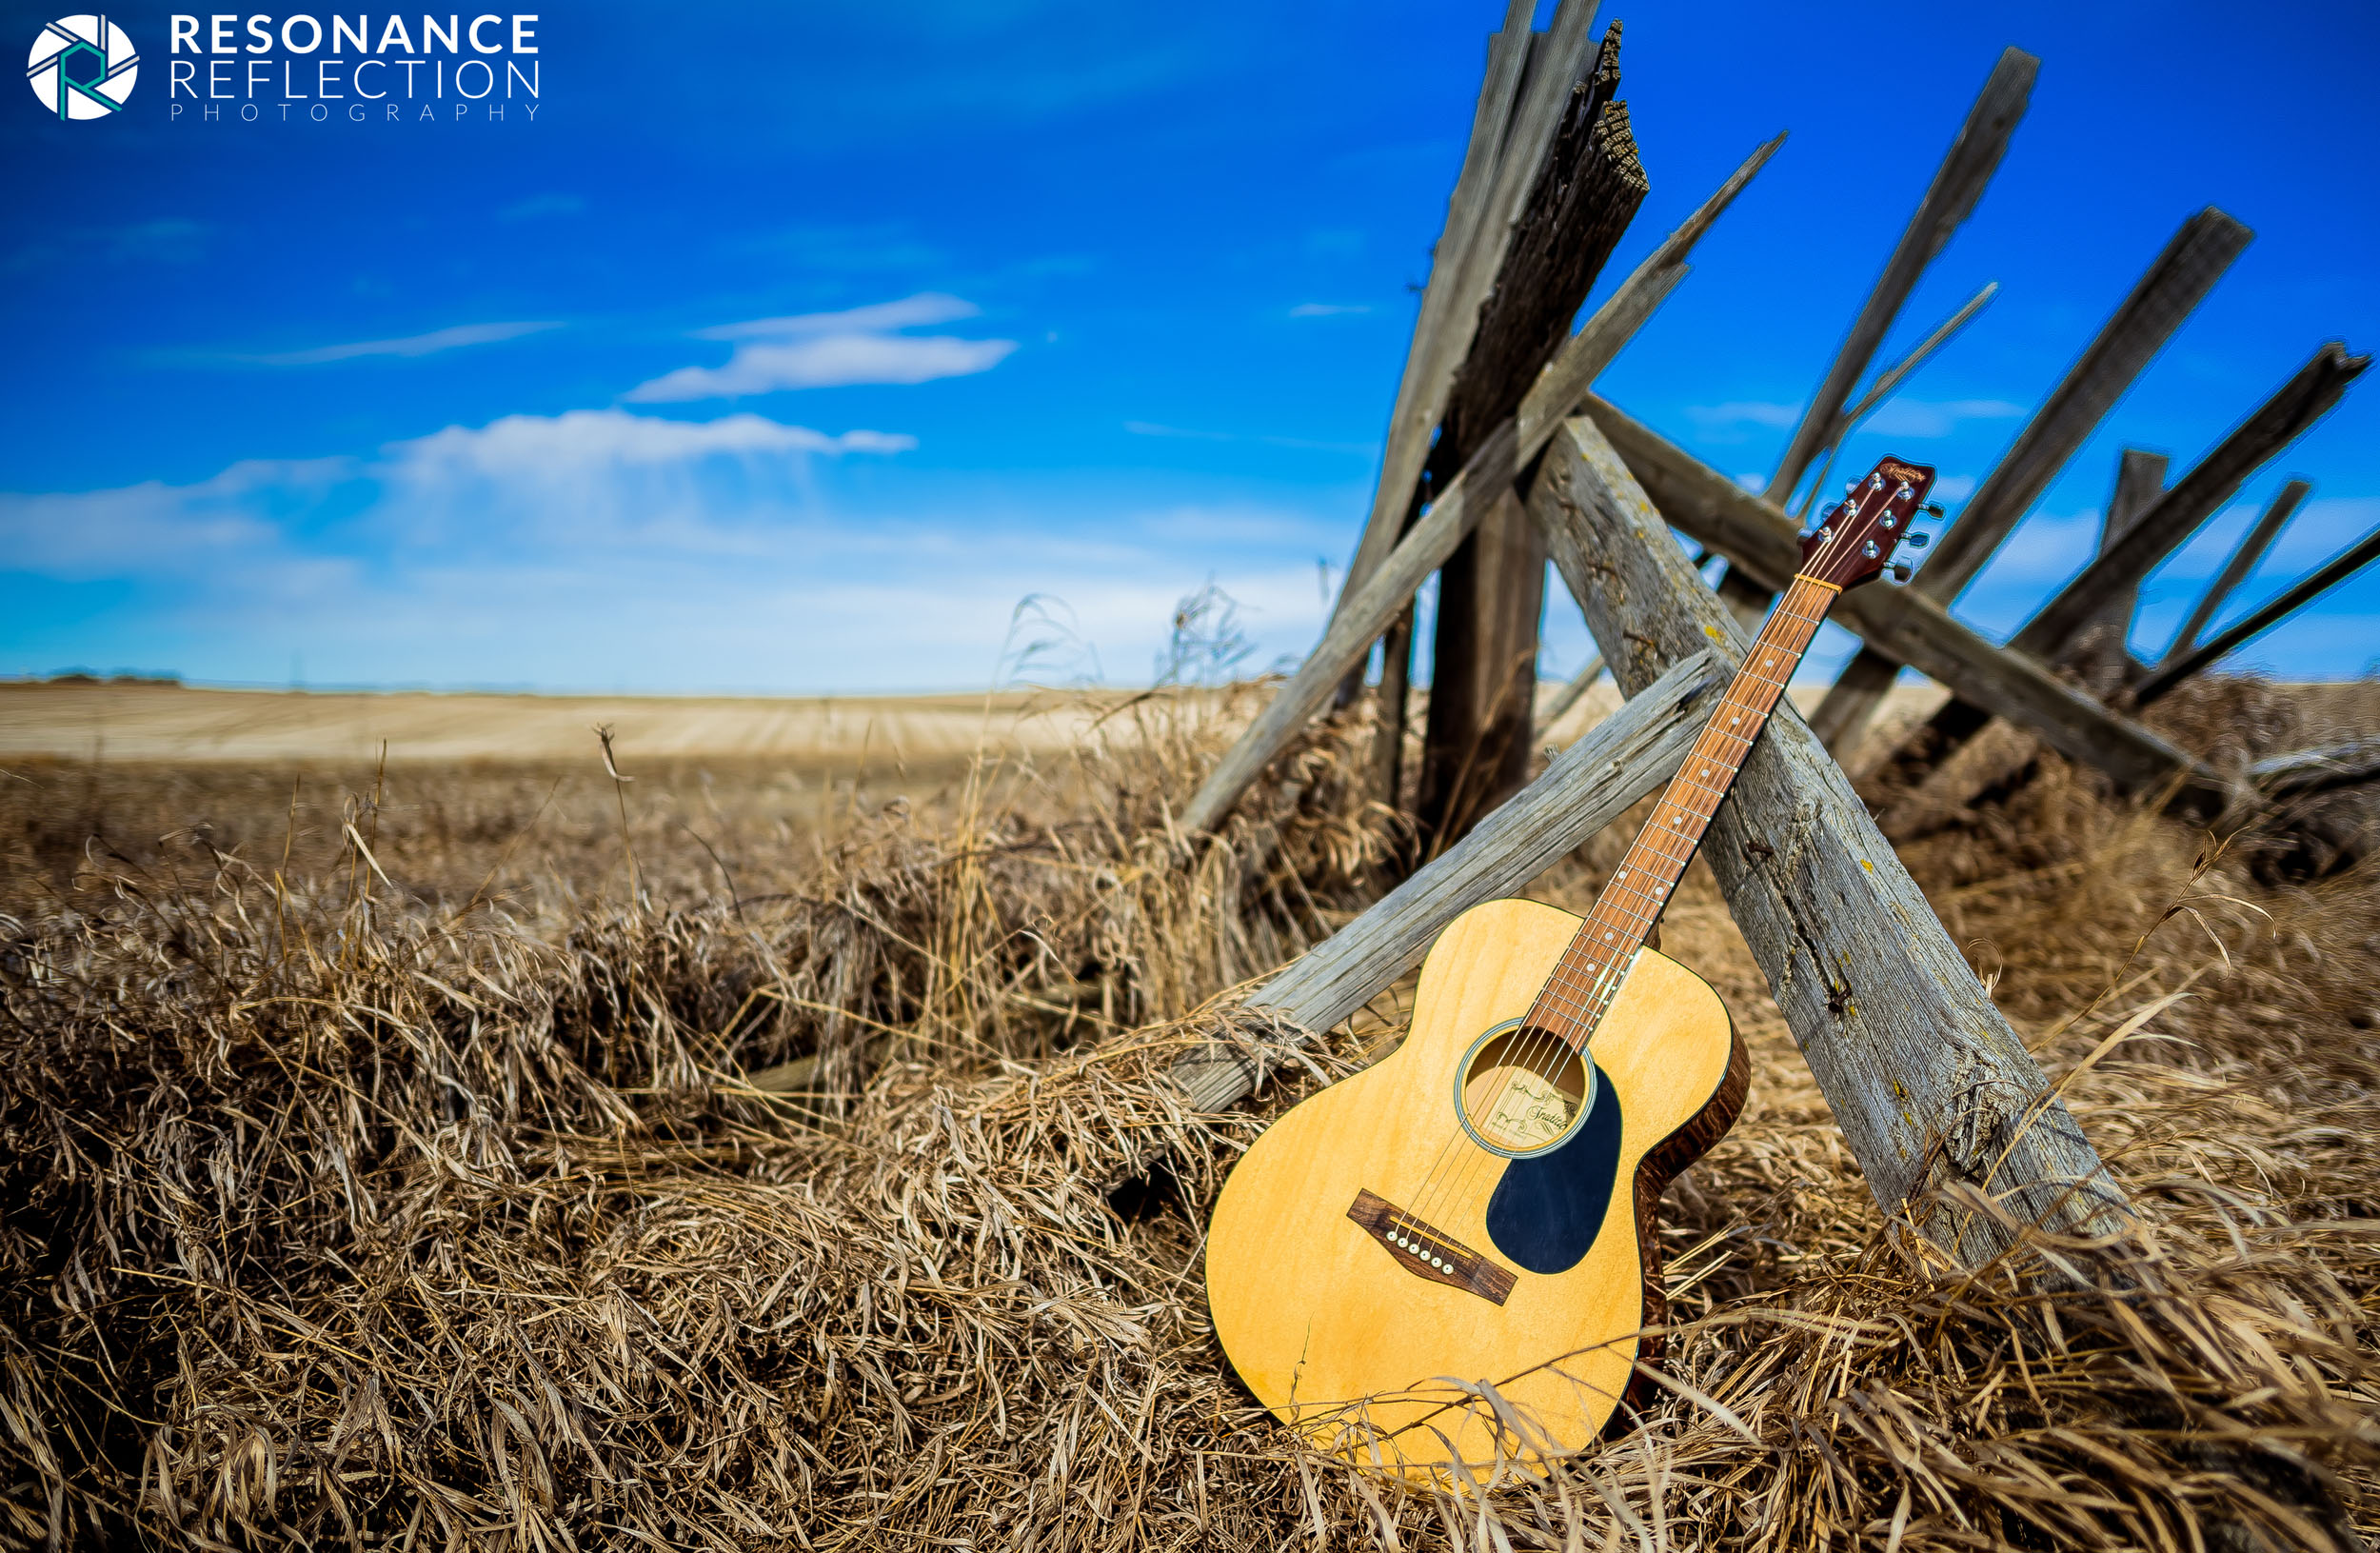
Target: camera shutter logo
[(82, 66)]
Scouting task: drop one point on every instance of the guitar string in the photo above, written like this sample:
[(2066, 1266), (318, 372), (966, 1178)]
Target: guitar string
[(1593, 1009), (1593, 1006), (1540, 1040), (1590, 1000), (1593, 1000)]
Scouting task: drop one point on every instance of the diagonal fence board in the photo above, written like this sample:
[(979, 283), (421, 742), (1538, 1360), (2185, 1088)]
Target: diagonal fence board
[(2184, 271), (2243, 561), (2311, 393), (1958, 183), (1903, 623), (2167, 294), (1923, 1074), (1587, 787), (1365, 611)]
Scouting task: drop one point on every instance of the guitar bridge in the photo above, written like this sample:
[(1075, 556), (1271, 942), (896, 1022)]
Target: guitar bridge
[(1426, 1253)]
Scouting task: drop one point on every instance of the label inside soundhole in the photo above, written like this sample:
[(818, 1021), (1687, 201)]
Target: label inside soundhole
[(1521, 1090)]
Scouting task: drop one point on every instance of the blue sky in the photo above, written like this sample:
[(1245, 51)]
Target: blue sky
[(787, 347)]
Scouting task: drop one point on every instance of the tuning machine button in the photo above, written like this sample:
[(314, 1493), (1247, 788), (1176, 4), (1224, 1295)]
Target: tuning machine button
[(1932, 509), (1916, 541), (1901, 571)]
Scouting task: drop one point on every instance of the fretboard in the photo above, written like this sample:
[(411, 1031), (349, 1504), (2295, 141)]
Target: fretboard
[(1592, 968)]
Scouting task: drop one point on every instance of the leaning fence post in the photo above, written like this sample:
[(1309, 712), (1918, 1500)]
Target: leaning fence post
[(1928, 1080)]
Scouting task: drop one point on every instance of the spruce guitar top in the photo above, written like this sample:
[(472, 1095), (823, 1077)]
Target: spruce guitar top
[(1475, 1212)]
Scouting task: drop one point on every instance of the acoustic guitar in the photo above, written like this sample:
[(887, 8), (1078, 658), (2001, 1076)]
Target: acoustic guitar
[(1450, 1256)]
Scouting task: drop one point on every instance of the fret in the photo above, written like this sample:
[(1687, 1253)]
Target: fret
[(1583, 983), (1633, 900)]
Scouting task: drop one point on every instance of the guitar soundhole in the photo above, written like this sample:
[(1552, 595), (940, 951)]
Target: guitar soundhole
[(1522, 1091)]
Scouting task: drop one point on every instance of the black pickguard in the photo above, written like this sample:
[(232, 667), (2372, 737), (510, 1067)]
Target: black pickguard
[(1547, 1211)]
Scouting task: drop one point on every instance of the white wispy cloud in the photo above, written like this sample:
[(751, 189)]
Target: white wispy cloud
[(909, 312), (833, 349), (1155, 429), (607, 548), (530, 447), (1328, 310), (1937, 417), (1742, 412), (412, 344)]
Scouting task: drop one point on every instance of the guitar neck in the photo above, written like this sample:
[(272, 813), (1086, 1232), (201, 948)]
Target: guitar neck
[(1598, 960)]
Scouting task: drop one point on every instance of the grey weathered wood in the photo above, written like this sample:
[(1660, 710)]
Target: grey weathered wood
[(1622, 759), (1483, 673), (1557, 390), (2298, 404), (2314, 770), (1528, 80), (1570, 695), (2100, 654), (1890, 379), (2236, 570), (1567, 378), (1974, 156), (1844, 712), (1475, 750), (2194, 258), (1902, 623), (2308, 588), (1922, 1072)]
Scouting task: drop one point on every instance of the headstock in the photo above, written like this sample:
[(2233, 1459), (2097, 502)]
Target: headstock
[(1853, 541)]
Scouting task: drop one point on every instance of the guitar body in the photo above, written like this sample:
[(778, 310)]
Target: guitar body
[(1534, 1274)]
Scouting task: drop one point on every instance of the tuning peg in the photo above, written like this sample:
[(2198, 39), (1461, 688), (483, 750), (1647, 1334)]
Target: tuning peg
[(1901, 571), (1932, 509), (1916, 541)]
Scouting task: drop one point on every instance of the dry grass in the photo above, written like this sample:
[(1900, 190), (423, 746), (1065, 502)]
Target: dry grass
[(416, 1192)]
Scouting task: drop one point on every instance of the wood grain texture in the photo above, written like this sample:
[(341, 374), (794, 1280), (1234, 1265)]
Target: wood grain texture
[(1587, 787), (2193, 259), (1958, 183), (1843, 714), (1369, 1361), (1490, 596), (1924, 1075), (1483, 674), (1903, 625)]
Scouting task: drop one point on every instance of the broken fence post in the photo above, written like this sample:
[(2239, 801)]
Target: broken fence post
[(1365, 611)]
